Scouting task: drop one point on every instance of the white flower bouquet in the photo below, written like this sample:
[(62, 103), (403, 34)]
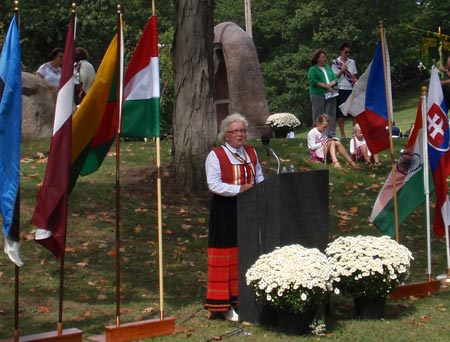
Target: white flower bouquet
[(291, 278), (368, 266), (279, 120)]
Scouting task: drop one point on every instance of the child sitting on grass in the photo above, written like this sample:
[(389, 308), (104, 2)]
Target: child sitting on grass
[(320, 146), (359, 149)]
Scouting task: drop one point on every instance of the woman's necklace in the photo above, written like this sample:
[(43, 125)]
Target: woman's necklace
[(237, 156)]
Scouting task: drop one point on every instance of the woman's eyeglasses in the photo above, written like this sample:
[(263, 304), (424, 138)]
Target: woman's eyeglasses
[(237, 131)]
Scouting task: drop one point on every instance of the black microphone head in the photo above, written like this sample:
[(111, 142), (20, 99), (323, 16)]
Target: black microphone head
[(265, 139)]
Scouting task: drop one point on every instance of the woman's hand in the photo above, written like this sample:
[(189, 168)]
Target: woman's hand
[(245, 187)]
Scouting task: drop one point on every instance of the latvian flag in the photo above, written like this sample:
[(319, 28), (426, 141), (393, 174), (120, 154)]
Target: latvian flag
[(50, 214)]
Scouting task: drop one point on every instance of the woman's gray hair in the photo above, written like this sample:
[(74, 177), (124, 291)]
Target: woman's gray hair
[(225, 124)]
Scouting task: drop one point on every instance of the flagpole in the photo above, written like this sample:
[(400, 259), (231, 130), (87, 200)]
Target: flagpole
[(17, 212), (63, 256), (159, 208), (119, 95), (426, 180), (391, 142)]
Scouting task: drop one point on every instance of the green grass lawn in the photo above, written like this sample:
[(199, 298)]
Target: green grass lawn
[(90, 272)]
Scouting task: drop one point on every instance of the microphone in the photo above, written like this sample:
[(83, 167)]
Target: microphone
[(265, 139)]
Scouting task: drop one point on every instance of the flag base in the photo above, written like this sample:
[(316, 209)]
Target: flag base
[(419, 289), (443, 278), (67, 335), (137, 330)]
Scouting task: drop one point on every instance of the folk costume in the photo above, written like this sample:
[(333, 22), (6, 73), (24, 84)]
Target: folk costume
[(227, 168)]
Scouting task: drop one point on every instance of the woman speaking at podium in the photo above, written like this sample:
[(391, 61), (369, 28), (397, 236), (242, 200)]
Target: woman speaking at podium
[(231, 168)]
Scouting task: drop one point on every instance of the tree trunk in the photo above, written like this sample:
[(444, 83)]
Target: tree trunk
[(194, 122)]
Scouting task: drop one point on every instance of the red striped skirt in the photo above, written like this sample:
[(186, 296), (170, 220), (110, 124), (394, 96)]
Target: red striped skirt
[(222, 279), (222, 290)]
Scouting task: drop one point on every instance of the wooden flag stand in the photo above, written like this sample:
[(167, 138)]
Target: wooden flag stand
[(137, 330), (66, 335), (417, 289)]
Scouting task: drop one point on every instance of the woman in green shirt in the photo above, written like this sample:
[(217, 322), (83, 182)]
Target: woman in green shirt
[(322, 92)]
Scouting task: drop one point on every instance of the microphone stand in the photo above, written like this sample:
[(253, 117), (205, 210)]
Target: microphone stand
[(276, 157), (265, 139)]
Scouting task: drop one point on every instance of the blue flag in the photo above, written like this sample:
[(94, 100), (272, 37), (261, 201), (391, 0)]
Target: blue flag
[(10, 135)]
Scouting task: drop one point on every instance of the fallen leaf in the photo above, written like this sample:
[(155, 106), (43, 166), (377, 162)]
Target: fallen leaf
[(43, 309), (353, 210), (185, 226)]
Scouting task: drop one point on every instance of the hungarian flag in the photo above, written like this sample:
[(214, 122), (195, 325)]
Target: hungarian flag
[(368, 102), (438, 151), (50, 213), (10, 135), (142, 90), (409, 173)]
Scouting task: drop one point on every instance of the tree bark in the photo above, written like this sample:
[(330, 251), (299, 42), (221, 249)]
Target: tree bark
[(194, 121)]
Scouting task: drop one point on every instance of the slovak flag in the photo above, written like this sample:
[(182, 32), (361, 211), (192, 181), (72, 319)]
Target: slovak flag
[(438, 151), (368, 102)]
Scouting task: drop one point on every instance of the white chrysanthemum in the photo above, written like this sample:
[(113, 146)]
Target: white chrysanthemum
[(381, 259), (283, 120), (291, 271)]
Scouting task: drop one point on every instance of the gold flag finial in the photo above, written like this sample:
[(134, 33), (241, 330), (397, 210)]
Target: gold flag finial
[(74, 6), (118, 9), (424, 90), (16, 6)]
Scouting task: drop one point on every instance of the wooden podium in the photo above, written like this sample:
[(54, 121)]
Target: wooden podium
[(288, 208)]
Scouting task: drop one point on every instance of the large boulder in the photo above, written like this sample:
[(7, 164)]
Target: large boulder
[(38, 107), (239, 86)]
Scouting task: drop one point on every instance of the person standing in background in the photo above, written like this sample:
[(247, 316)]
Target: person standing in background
[(345, 69), (84, 74), (322, 92), (51, 71)]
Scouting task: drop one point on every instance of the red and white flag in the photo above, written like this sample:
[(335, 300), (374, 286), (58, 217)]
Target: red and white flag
[(50, 214)]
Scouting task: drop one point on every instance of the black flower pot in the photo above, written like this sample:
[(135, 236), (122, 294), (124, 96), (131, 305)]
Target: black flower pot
[(370, 307)]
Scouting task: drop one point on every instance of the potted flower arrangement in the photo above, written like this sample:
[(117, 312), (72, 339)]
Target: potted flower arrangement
[(282, 123), (292, 280), (368, 268)]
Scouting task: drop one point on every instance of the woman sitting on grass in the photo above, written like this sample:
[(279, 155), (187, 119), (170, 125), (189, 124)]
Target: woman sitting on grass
[(320, 146), (359, 149)]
